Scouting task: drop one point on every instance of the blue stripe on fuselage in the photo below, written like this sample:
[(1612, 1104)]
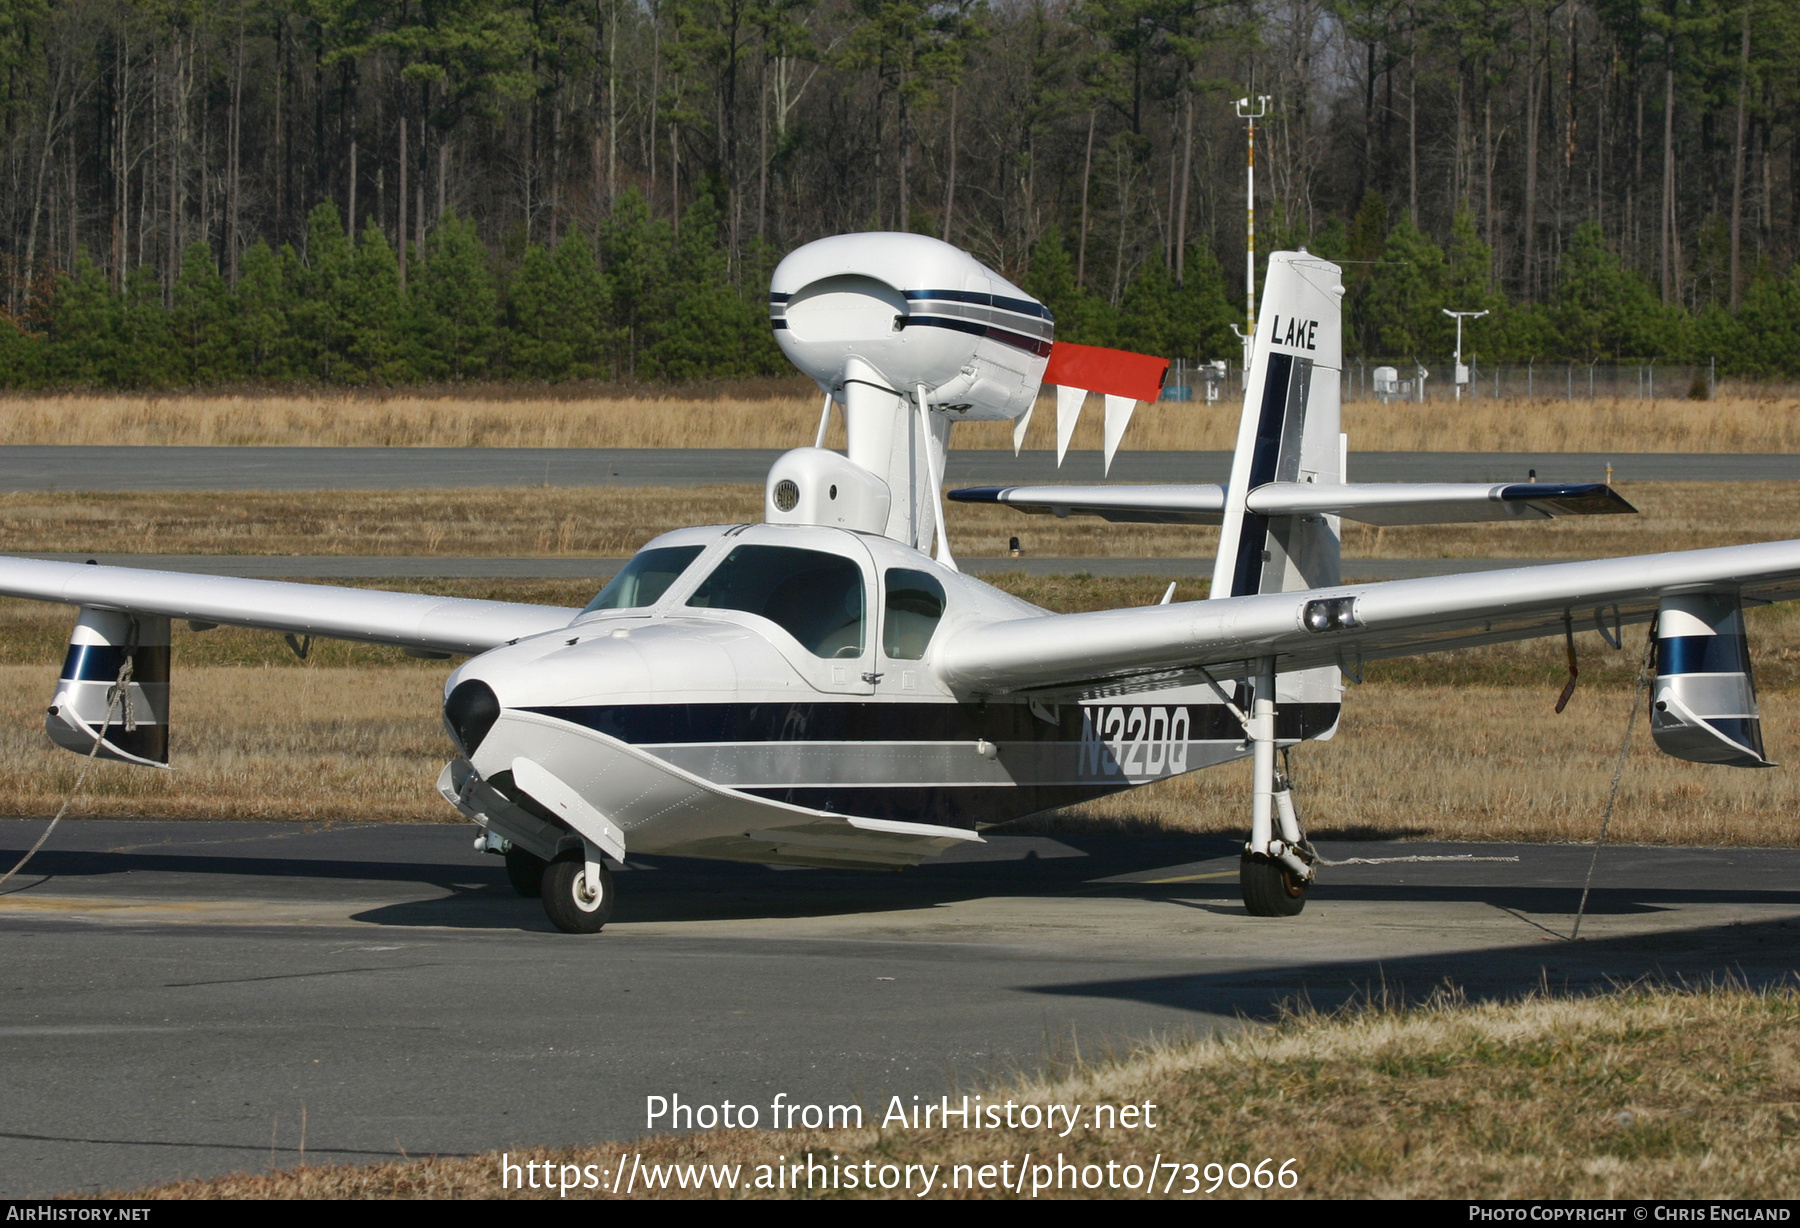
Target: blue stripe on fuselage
[(886, 721)]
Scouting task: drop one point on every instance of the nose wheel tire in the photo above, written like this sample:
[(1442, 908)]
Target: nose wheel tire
[(574, 905), (1270, 888), (525, 871)]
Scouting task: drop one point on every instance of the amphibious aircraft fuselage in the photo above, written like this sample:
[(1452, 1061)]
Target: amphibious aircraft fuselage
[(795, 664)]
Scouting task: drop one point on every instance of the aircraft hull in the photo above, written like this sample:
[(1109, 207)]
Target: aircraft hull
[(784, 781)]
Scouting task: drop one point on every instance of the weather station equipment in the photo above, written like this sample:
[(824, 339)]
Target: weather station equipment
[(1212, 377), (1462, 371)]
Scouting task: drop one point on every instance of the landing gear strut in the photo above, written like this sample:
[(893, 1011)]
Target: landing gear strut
[(1276, 869)]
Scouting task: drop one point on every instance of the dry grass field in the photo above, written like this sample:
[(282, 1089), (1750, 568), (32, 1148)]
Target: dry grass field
[(784, 414), (613, 521), (601, 522), (1641, 1094), (1460, 746)]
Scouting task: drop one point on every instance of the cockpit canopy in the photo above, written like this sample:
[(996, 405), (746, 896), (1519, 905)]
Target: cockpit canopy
[(822, 598), (815, 597)]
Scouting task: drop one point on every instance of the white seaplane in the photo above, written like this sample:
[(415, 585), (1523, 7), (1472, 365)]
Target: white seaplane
[(820, 690)]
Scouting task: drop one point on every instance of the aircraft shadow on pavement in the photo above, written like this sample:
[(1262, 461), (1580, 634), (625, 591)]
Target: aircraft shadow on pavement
[(656, 889), (659, 889), (476, 894), (1756, 954)]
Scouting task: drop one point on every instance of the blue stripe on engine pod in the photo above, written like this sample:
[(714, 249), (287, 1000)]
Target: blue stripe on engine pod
[(976, 298)]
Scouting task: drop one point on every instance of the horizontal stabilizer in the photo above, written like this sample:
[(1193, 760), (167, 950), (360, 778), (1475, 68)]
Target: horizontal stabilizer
[(1368, 503), (1197, 504)]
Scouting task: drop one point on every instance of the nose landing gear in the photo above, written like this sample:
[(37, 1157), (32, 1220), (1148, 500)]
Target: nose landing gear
[(578, 893)]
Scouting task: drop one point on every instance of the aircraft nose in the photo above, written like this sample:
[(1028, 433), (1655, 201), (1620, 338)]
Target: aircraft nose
[(469, 712)]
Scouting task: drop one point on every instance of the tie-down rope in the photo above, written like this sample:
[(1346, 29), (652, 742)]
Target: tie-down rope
[(1383, 861), (1646, 676), (118, 695)]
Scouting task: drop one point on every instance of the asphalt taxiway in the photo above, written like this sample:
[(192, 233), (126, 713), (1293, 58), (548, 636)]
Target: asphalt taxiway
[(177, 993), (420, 567), (121, 468)]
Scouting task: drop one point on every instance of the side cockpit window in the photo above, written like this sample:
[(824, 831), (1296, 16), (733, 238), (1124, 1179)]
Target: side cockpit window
[(815, 597), (644, 580), (915, 603)]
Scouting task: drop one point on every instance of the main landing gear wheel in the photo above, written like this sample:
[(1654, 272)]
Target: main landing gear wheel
[(1270, 888), (574, 905), (525, 871)]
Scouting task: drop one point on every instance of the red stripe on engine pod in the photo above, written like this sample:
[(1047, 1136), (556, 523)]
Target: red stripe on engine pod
[(1098, 369)]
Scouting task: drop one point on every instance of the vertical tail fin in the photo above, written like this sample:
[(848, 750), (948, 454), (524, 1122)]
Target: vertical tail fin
[(1289, 433)]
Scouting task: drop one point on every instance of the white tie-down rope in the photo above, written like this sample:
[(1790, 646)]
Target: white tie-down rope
[(1646, 676), (119, 691), (1382, 861)]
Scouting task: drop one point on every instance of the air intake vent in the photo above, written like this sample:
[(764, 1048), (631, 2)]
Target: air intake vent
[(469, 713)]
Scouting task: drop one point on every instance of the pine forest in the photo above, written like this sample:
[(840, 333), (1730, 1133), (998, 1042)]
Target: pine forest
[(382, 192)]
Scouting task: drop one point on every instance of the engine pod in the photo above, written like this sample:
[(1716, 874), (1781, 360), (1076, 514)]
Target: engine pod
[(917, 312), (1703, 704), (136, 722)]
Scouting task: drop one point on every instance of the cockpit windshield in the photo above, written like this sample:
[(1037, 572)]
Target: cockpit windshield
[(815, 597), (645, 578)]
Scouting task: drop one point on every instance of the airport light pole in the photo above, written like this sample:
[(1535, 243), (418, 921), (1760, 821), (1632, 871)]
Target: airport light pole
[(1250, 113), (1462, 372)]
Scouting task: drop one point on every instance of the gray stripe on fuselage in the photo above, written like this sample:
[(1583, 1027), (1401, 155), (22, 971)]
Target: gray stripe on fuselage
[(761, 765)]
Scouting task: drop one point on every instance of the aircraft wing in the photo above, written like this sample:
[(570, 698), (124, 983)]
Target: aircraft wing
[(406, 620), (1349, 624), (1377, 503)]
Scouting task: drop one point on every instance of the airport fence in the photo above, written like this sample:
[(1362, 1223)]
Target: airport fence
[(1409, 379)]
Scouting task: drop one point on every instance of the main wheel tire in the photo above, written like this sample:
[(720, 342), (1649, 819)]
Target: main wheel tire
[(1270, 888), (573, 905), (525, 871)]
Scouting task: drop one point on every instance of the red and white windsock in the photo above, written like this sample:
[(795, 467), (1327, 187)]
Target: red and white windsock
[(1122, 377)]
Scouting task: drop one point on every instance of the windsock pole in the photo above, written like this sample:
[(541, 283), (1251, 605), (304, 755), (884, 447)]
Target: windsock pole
[(1251, 114)]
